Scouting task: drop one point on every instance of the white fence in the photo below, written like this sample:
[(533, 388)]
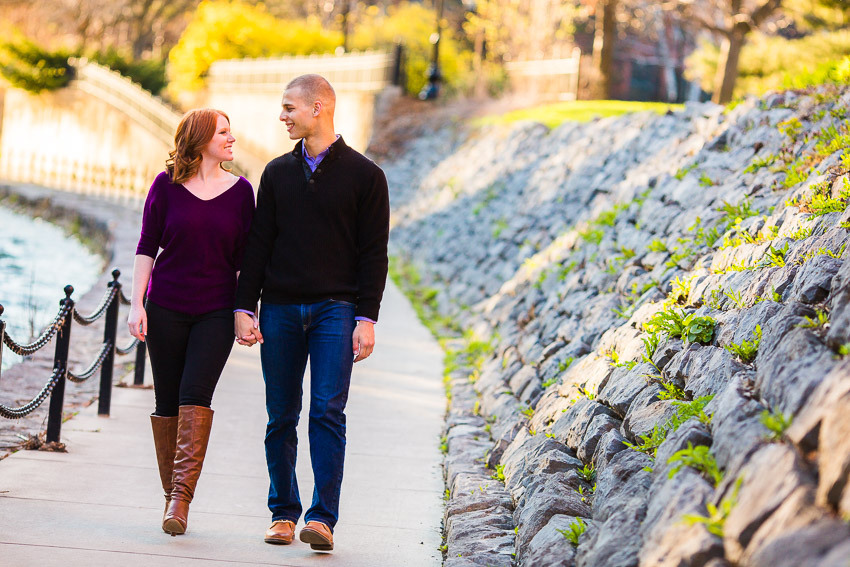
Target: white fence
[(546, 79), (357, 72)]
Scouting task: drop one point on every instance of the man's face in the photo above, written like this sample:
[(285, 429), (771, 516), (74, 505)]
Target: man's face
[(297, 114)]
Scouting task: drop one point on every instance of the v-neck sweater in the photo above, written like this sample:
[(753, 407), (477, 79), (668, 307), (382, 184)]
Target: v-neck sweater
[(319, 236), (202, 244)]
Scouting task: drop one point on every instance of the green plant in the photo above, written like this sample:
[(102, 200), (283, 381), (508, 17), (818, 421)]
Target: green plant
[(842, 350), (499, 474), (586, 393), (699, 458), (776, 423), (650, 442), (682, 172), (574, 531), (717, 515), (587, 473), (650, 345), (444, 445), (498, 227), (759, 163), (657, 246), (671, 391), (680, 290), (28, 66), (747, 350), (821, 319), (527, 411), (732, 212), (823, 252), (705, 180), (774, 257), (564, 364), (801, 233), (593, 236), (675, 323), (549, 382)]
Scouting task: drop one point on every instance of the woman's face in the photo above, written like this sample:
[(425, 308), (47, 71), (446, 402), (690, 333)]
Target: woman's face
[(220, 148)]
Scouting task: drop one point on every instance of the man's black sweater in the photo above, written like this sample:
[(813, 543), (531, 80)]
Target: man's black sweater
[(317, 238)]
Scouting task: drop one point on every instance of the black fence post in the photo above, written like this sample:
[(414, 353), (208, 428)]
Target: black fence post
[(2, 332), (110, 331), (60, 361), (141, 350)]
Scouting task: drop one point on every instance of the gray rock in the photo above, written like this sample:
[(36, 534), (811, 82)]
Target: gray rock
[(549, 548), (599, 426), (807, 546), (813, 280), (486, 532), (548, 499), (624, 482), (788, 374), (609, 445), (623, 386), (705, 370), (646, 412), (667, 540), (772, 474), (737, 429), (692, 431), (834, 459)]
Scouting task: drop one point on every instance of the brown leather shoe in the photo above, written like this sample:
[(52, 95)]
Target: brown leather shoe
[(280, 532), (318, 535)]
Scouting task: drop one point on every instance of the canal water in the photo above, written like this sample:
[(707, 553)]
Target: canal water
[(37, 260)]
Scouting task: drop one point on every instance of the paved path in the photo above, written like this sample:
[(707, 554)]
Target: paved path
[(100, 503)]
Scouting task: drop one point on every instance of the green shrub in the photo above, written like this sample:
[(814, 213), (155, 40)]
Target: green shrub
[(148, 73), (776, 422), (747, 350), (675, 323), (28, 66)]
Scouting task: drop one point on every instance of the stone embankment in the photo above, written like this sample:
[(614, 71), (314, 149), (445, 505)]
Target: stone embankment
[(655, 367)]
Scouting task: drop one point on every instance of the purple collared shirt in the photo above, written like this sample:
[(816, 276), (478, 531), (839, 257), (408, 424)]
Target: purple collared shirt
[(313, 163)]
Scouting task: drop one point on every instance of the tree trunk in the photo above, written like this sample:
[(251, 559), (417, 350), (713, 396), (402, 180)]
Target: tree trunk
[(604, 41), (727, 65)]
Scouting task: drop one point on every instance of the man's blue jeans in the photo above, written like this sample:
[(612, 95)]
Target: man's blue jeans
[(291, 333)]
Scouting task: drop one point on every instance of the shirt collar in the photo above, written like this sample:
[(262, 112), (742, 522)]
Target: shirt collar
[(321, 154)]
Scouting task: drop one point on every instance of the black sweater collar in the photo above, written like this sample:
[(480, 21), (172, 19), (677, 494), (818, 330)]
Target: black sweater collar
[(334, 150)]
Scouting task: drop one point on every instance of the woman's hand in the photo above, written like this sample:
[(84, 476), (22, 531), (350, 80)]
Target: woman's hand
[(138, 322)]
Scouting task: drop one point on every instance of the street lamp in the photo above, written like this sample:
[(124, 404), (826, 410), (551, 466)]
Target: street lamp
[(431, 90)]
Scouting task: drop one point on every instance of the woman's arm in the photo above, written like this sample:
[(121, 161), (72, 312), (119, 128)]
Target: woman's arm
[(138, 319)]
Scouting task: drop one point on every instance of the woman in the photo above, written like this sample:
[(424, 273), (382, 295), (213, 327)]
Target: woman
[(199, 214)]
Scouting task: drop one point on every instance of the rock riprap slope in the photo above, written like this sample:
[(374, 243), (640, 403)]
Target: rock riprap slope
[(655, 366)]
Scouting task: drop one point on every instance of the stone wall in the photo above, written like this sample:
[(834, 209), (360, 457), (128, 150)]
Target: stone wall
[(582, 255)]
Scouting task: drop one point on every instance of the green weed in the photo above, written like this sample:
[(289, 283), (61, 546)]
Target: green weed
[(820, 320), (574, 531), (587, 473), (699, 458), (777, 424), (747, 350), (717, 515)]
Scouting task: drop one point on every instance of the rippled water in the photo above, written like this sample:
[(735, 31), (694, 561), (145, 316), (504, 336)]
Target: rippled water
[(37, 260)]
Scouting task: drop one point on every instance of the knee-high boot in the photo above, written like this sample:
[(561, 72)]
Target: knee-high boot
[(165, 444), (193, 434)]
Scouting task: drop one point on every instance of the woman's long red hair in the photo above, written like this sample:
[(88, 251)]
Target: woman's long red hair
[(194, 132)]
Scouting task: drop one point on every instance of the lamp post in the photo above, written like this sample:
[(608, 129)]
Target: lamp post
[(431, 90)]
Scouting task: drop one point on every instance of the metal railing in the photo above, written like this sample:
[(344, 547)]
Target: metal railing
[(60, 328)]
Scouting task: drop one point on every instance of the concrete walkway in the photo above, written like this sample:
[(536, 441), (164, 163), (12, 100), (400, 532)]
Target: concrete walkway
[(101, 504)]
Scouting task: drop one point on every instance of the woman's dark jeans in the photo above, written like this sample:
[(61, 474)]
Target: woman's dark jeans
[(292, 333), (187, 353)]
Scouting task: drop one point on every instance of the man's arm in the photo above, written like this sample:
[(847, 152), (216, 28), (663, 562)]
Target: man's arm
[(258, 250)]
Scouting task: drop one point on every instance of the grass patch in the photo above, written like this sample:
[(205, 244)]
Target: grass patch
[(553, 115)]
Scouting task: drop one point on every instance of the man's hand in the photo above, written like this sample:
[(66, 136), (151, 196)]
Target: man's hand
[(363, 340), (246, 329)]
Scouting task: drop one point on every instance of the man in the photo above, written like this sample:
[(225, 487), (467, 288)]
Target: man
[(317, 254)]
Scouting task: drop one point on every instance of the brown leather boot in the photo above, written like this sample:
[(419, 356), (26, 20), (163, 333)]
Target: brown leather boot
[(193, 434), (165, 444)]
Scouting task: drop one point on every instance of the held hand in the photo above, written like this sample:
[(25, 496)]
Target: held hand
[(245, 328), (363, 340), (137, 320)]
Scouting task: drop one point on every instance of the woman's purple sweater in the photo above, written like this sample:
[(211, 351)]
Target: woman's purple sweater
[(202, 244)]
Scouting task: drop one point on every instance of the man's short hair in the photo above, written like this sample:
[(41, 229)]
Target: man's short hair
[(314, 87)]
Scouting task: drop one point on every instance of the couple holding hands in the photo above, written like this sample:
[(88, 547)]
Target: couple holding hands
[(314, 250)]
